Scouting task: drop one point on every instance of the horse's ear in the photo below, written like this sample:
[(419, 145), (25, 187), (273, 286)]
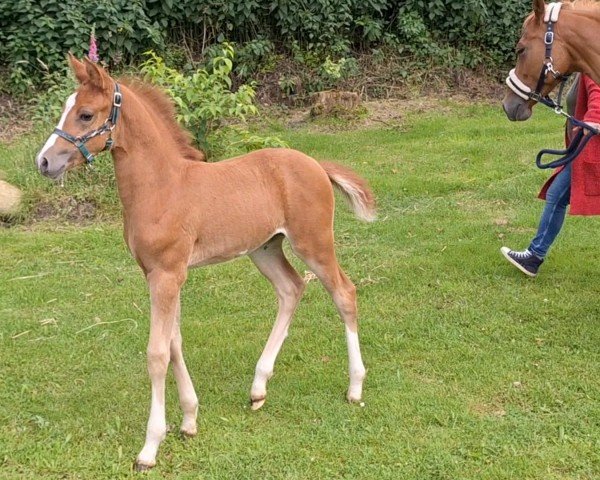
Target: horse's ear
[(97, 75), (539, 8), (78, 69)]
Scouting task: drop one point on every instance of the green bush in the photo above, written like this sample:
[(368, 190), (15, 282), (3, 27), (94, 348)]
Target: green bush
[(41, 32), (433, 32), (56, 88), (207, 105)]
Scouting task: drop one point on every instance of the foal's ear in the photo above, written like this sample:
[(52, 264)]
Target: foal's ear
[(539, 8), (97, 76), (78, 69)]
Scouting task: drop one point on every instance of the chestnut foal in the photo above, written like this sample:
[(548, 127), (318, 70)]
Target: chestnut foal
[(181, 212)]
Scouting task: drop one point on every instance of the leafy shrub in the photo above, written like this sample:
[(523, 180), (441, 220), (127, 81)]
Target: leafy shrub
[(432, 32), (45, 30), (206, 104), (254, 56), (56, 88)]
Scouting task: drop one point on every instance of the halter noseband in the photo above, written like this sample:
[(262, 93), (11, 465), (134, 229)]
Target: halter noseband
[(107, 126), (518, 87)]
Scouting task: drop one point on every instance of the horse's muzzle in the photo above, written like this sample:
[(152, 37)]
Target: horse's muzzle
[(516, 109)]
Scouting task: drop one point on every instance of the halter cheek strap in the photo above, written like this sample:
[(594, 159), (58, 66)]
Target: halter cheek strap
[(107, 126)]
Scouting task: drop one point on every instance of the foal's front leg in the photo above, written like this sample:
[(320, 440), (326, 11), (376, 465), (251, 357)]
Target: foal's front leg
[(164, 296)]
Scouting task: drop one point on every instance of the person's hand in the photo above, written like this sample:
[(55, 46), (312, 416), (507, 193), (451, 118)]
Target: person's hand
[(594, 125), (585, 130)]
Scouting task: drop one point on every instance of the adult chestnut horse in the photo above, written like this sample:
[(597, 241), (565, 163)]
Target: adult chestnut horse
[(180, 212), (557, 40)]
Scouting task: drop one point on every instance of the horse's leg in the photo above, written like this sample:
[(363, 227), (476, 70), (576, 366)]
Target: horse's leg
[(164, 294), (271, 262), (187, 395), (316, 249)]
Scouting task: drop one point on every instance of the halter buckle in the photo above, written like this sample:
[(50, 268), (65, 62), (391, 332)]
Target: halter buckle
[(535, 96), (549, 38), (117, 99)]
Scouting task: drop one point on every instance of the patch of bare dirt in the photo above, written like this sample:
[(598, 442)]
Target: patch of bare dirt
[(386, 96), (488, 410), (290, 83), (390, 113), (70, 209), (13, 119)]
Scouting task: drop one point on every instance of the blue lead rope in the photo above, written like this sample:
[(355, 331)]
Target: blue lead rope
[(577, 144)]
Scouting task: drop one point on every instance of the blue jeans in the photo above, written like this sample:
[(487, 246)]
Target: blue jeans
[(553, 216)]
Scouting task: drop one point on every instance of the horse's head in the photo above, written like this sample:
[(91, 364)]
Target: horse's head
[(86, 122), (542, 62)]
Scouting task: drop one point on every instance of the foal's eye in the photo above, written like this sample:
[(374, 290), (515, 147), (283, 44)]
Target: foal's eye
[(85, 117), (520, 51)]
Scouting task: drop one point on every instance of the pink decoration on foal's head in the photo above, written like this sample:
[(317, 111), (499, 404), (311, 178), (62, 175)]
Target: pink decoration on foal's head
[(93, 52)]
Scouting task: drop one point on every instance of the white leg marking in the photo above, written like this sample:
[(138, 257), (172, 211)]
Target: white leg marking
[(355, 366), (50, 142), (164, 300), (266, 362), (157, 426)]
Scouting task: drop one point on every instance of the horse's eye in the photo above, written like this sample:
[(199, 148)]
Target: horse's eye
[(520, 51), (85, 117)]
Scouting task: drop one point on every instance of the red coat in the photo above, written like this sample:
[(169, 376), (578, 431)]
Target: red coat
[(585, 179)]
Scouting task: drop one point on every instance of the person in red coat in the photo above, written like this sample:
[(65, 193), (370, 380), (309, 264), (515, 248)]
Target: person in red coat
[(577, 183)]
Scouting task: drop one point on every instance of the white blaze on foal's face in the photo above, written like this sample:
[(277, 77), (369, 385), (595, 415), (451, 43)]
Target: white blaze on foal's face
[(44, 160)]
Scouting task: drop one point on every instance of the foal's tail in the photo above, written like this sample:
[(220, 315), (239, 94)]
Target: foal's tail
[(356, 190)]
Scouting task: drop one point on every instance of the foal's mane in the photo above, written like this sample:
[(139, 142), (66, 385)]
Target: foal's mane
[(157, 100)]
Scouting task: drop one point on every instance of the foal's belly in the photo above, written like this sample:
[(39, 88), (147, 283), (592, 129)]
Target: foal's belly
[(228, 247)]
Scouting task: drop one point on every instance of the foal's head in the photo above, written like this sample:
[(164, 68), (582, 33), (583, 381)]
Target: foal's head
[(86, 112), (531, 60)]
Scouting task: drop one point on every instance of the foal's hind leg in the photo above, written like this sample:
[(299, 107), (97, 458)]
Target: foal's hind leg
[(187, 395), (317, 251), (289, 286)]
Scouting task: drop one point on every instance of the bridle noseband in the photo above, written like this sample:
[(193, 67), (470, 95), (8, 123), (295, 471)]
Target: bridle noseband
[(520, 89), (107, 126)]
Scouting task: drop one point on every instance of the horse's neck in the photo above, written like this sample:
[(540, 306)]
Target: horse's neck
[(584, 43), (146, 162)]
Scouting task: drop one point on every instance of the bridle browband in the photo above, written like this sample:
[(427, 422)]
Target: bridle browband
[(107, 126), (513, 82)]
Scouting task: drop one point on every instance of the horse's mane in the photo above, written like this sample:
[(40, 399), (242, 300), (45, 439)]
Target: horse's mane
[(582, 4), (157, 100)]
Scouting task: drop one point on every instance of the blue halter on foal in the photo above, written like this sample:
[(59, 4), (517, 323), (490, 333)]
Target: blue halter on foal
[(513, 82), (107, 126)]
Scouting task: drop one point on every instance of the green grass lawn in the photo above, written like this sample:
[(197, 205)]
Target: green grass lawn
[(474, 370)]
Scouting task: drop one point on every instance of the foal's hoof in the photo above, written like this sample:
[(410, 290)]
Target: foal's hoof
[(354, 397), (142, 467), (188, 432), (256, 403)]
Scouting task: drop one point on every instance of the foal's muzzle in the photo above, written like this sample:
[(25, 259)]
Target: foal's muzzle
[(53, 166)]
